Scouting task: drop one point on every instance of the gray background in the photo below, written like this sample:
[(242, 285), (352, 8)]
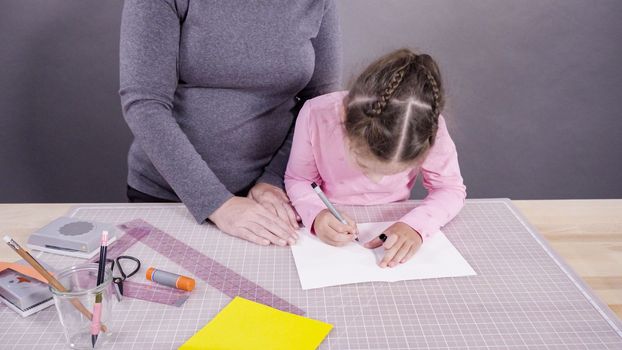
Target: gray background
[(534, 90)]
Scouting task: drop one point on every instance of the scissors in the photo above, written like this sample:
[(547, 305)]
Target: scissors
[(117, 281)]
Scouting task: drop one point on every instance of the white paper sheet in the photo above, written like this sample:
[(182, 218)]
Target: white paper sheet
[(322, 265)]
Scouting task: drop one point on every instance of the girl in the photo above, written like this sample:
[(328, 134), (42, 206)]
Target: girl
[(366, 147)]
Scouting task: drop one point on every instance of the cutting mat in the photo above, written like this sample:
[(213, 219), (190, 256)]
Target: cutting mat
[(524, 296)]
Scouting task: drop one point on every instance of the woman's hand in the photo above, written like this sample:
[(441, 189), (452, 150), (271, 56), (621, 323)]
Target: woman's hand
[(331, 231), (245, 218), (276, 201), (401, 244)]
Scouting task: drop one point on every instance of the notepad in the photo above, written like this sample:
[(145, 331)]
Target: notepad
[(23, 289), (322, 265), (245, 324)]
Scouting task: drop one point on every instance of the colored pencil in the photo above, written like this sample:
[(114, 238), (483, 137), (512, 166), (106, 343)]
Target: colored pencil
[(97, 308), (48, 276)]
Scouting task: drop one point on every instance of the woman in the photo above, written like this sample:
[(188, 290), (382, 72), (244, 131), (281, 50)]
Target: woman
[(210, 91)]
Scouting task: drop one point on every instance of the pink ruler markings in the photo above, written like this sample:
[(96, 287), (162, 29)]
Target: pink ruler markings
[(155, 293), (212, 272), (147, 292)]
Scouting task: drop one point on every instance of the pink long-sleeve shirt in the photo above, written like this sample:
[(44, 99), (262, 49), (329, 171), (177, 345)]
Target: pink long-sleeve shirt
[(319, 154)]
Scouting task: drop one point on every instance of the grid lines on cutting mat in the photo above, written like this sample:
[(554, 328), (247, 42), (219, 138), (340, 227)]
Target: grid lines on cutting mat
[(522, 298)]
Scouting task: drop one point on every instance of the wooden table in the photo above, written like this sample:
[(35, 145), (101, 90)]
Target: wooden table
[(586, 233)]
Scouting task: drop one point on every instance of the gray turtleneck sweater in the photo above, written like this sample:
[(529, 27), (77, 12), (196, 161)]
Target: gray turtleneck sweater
[(210, 89)]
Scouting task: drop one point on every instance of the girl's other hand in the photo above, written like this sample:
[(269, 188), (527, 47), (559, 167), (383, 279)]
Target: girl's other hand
[(401, 244), (331, 231), (276, 201)]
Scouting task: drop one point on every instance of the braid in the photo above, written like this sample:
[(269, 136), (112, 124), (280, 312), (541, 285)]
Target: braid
[(396, 80), (393, 107), (435, 91), (436, 100)]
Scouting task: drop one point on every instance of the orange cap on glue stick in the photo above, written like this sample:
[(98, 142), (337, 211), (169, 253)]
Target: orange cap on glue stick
[(170, 279)]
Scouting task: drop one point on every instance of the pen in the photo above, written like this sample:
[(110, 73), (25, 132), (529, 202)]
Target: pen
[(51, 280), (329, 205), (97, 308)]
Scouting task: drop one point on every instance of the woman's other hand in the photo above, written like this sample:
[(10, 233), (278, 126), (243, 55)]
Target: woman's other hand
[(247, 219), (276, 201)]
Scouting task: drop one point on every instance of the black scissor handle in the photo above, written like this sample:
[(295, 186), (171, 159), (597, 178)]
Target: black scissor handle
[(120, 257)]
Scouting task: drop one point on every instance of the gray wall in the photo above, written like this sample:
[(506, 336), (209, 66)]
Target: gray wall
[(533, 89), (62, 137)]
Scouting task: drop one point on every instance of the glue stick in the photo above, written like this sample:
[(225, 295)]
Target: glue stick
[(170, 279)]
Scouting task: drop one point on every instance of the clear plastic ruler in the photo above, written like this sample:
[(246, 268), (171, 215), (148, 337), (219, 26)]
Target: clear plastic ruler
[(209, 270)]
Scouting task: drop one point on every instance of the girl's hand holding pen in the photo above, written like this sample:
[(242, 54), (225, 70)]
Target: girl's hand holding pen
[(331, 231), (400, 242)]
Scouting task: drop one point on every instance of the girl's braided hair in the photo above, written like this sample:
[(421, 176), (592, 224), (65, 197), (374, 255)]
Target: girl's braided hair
[(393, 107)]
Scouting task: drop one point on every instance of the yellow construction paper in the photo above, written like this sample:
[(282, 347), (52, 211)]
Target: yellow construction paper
[(245, 324)]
